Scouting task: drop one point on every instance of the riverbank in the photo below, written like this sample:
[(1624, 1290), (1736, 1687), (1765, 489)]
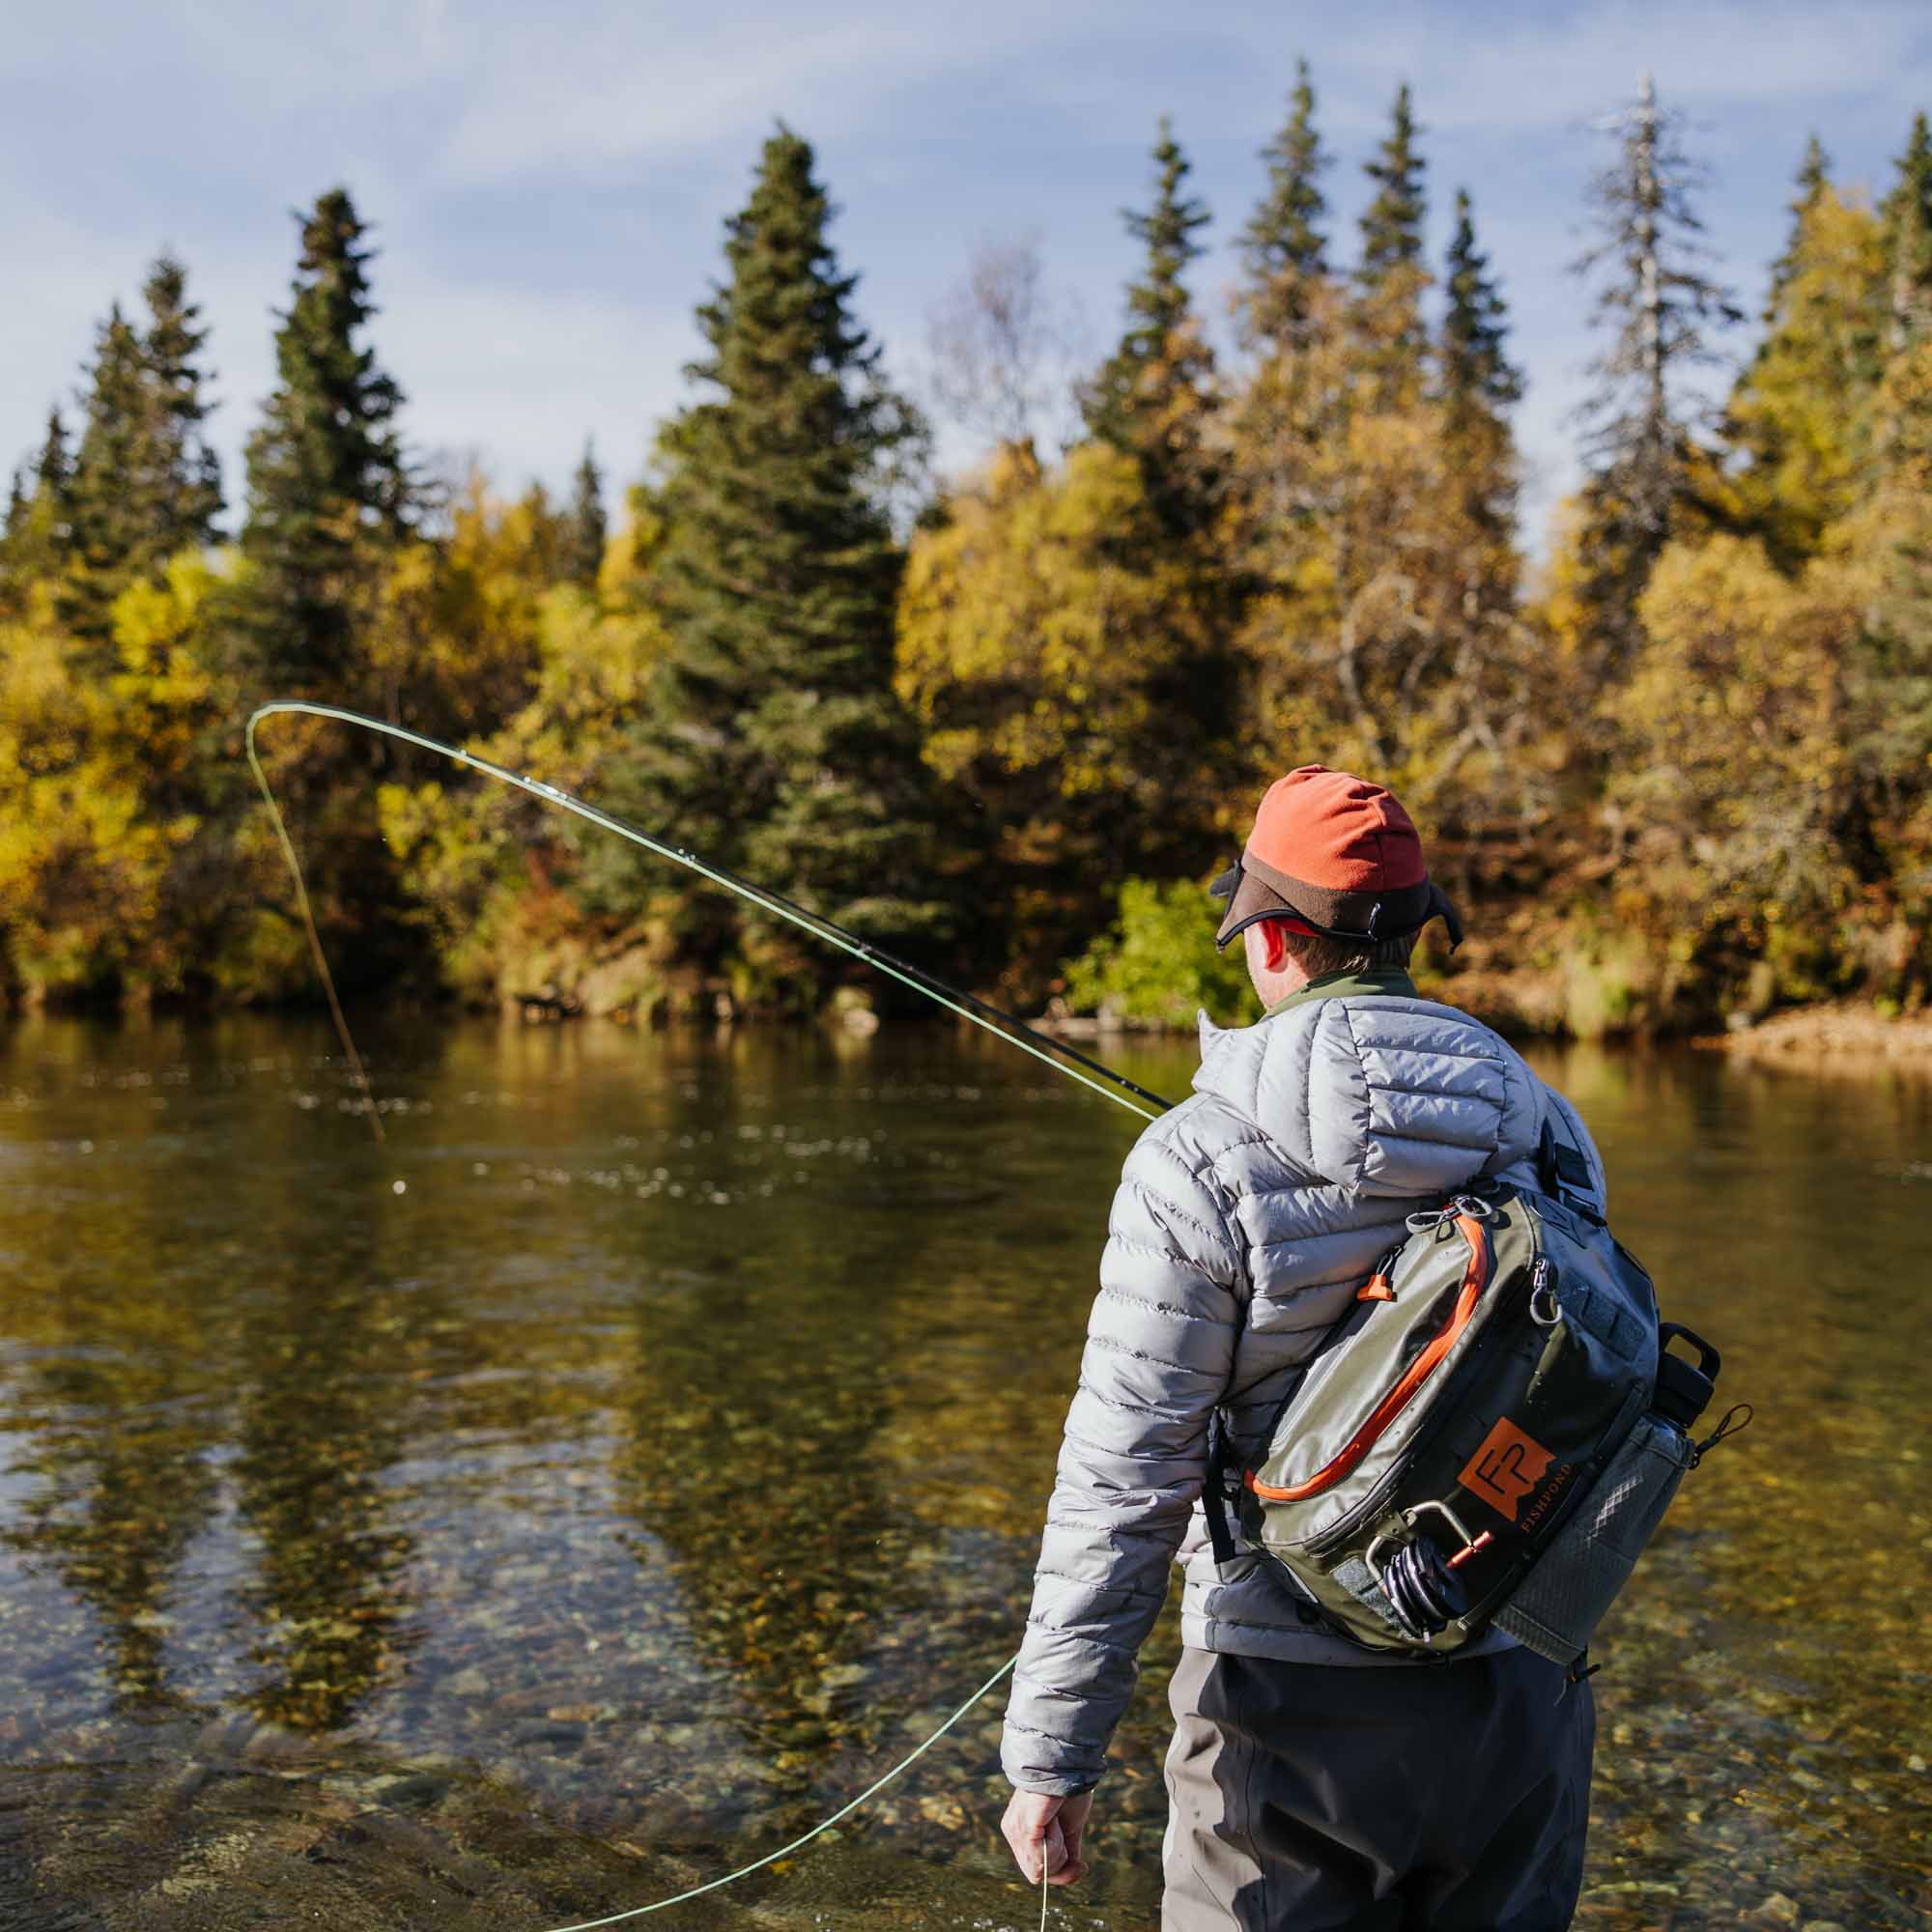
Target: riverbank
[(1853, 1033), (1526, 1007)]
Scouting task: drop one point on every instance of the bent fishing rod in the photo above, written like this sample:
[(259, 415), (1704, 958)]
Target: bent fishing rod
[(1002, 1025), (1055, 1053)]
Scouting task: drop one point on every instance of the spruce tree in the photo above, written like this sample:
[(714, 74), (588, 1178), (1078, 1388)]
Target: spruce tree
[(772, 738), (105, 512), (1392, 222), (38, 534), (1798, 417), (585, 526), (1908, 232), (1660, 308), (34, 546), (146, 484), (328, 488), (53, 466), (1282, 247), (1390, 276), (1149, 397), (1814, 176), (1477, 373), (1479, 383), (329, 499), (183, 479), (1133, 391)]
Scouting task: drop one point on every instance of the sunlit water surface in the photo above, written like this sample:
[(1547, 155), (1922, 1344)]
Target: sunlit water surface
[(598, 1483)]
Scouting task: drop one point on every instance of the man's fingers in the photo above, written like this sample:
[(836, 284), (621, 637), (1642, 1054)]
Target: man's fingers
[(1027, 1838), (1063, 1863), (1054, 1845), (1071, 1821), (1045, 1841), (1069, 1828)]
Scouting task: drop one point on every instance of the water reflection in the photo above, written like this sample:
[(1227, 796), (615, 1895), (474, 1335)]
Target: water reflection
[(750, 1463), (122, 1482), (630, 1488), (325, 1356)]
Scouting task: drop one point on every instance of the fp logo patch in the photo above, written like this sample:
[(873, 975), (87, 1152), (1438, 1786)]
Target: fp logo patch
[(1507, 1466)]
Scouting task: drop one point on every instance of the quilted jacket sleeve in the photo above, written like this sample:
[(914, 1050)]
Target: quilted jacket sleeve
[(1160, 1346)]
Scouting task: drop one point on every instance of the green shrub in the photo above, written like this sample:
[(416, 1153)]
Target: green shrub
[(1158, 964)]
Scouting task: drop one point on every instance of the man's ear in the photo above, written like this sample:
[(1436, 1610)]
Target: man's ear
[(1274, 944)]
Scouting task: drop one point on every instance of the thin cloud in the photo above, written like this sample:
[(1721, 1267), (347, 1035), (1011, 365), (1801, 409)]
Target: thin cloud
[(547, 185), (1552, 70)]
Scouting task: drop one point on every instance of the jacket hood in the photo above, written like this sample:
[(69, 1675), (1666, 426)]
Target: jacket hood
[(1380, 1095)]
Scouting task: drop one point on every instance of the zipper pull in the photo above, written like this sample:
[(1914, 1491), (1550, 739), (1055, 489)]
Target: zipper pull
[(1378, 1287), (1545, 1309)]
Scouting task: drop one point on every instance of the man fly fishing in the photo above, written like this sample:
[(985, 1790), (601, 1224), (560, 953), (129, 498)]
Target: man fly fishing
[(1312, 1782)]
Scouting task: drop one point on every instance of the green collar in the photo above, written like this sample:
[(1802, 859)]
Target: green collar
[(1380, 981)]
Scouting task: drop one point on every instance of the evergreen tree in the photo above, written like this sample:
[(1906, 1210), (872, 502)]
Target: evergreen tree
[(772, 738), (1814, 176), (331, 503), (18, 557), (53, 467), (35, 543), (146, 485), (1477, 373), (1149, 397), (1660, 308), (183, 476), (328, 489), (1908, 234), (1799, 415), (1392, 222), (1390, 277), (1479, 383), (1132, 395), (585, 526), (1282, 247), (104, 513)]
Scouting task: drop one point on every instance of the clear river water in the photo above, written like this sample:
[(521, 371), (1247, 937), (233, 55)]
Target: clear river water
[(595, 1485)]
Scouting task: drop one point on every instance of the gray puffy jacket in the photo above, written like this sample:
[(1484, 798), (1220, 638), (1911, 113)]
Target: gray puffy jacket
[(1245, 1220)]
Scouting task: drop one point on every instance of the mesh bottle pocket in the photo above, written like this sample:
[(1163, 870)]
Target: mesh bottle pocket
[(1561, 1600)]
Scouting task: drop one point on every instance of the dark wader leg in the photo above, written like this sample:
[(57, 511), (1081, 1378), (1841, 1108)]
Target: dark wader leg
[(1309, 1798)]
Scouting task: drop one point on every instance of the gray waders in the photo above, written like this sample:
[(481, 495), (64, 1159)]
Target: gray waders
[(1420, 1798)]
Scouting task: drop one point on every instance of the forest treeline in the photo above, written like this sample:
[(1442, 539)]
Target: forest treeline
[(1008, 723)]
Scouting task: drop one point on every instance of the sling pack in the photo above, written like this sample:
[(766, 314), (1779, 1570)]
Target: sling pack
[(1490, 1436)]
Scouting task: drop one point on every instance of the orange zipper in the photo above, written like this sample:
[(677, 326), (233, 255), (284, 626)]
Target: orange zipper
[(1474, 1278)]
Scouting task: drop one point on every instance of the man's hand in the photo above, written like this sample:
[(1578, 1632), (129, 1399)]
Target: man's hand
[(1040, 1828)]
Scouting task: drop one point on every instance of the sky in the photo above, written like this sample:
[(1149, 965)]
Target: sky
[(547, 185)]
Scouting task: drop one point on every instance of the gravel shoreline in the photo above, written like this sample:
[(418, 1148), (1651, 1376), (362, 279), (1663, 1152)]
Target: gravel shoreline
[(1831, 1033)]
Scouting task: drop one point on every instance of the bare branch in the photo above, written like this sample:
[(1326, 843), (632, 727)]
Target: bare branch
[(999, 340)]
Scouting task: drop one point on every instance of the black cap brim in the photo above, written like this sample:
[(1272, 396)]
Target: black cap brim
[(1251, 897)]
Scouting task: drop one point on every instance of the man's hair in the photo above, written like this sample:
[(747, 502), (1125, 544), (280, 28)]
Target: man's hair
[(1316, 955)]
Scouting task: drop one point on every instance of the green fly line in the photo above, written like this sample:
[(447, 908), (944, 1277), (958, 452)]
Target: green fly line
[(1115, 1087), (1091, 1073), (845, 1812)]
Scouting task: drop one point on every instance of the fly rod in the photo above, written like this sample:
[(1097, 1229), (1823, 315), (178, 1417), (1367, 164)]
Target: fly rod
[(1070, 1061), (1102, 1079)]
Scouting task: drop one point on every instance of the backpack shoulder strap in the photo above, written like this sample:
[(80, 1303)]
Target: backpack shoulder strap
[(1214, 1490), (1564, 1173)]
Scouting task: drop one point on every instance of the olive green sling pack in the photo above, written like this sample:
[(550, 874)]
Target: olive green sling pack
[(1488, 1438)]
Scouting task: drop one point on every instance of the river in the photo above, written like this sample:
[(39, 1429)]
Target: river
[(603, 1480)]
